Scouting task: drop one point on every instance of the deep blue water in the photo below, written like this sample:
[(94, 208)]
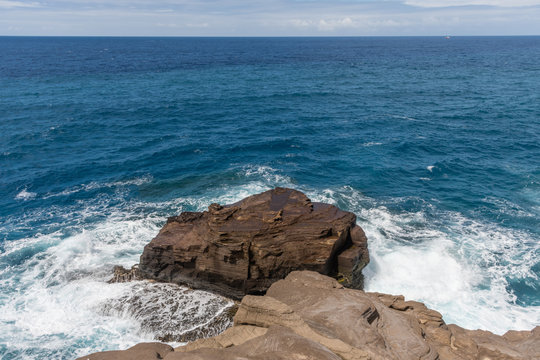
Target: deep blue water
[(434, 143)]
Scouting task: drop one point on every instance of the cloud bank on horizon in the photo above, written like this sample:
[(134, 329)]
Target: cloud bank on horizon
[(269, 17)]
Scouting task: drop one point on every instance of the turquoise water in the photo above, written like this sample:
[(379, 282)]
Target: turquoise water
[(433, 143)]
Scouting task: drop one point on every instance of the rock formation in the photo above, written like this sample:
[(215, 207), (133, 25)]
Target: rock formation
[(243, 248), (311, 316), (255, 246)]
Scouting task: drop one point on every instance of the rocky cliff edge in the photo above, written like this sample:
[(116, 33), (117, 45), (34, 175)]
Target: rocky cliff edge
[(311, 316)]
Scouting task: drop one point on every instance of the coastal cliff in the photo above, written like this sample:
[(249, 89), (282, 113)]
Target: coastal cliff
[(276, 251)]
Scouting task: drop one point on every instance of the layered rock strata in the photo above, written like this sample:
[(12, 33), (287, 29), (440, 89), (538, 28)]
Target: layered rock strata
[(243, 248), (311, 316)]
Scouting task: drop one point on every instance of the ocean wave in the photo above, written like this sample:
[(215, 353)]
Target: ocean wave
[(60, 291), (56, 290), (138, 181), (371, 143), (269, 175), (457, 265), (403, 117), (460, 266), (25, 195)]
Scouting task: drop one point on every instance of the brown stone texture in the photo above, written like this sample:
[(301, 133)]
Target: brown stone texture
[(143, 351), (311, 316), (243, 248)]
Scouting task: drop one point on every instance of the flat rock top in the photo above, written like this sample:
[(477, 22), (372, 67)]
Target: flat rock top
[(277, 209)]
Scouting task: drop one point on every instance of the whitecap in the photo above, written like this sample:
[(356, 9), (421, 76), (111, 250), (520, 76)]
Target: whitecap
[(25, 195), (138, 181), (371, 143), (266, 174)]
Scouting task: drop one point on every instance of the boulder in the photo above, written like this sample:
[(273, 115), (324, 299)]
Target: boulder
[(244, 247)]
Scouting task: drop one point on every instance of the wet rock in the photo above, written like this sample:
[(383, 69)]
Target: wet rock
[(121, 274), (215, 326), (243, 248), (170, 312)]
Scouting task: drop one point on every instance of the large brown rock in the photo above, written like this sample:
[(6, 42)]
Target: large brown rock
[(243, 248), (311, 316)]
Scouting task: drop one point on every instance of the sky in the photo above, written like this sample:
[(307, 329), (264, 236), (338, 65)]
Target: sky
[(269, 17)]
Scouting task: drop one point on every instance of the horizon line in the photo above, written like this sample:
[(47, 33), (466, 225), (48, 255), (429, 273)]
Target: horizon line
[(260, 36)]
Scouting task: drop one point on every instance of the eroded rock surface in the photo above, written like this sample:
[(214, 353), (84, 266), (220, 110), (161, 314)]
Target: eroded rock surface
[(243, 248), (311, 316), (142, 351)]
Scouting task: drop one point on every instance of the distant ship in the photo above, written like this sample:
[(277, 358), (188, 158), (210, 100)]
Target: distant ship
[(447, 37)]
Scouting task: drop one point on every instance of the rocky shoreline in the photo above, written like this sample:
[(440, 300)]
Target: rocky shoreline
[(297, 265)]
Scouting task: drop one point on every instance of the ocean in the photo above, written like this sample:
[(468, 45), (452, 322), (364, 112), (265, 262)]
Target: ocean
[(433, 143)]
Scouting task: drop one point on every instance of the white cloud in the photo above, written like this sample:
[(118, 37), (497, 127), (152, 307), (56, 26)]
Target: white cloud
[(7, 4), (449, 3), (268, 17), (324, 24), (330, 25)]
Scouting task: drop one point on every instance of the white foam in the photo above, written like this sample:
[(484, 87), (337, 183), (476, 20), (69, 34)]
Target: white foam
[(371, 143), (25, 195), (12, 248), (167, 309), (269, 176), (136, 181), (430, 168), (258, 179), (460, 271), (454, 264), (55, 299)]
